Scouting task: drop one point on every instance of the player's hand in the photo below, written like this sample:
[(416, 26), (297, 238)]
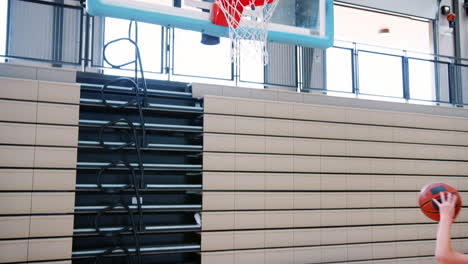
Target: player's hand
[(446, 205)]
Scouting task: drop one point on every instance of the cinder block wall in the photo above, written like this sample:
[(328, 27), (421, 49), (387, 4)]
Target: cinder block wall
[(295, 182), (38, 140)]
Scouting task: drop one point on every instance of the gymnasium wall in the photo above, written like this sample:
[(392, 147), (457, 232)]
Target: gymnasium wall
[(38, 139), (304, 178)]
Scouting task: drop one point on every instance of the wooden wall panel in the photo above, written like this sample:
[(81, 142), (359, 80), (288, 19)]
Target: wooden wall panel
[(38, 140), (298, 183)]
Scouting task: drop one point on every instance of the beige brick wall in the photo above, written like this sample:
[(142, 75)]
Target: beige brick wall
[(288, 182), (38, 140)]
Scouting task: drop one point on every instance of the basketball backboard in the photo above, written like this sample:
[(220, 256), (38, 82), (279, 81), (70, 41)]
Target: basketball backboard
[(308, 23)]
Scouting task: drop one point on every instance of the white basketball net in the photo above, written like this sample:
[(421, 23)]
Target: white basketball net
[(254, 18)]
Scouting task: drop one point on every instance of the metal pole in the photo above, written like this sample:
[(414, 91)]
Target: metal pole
[(355, 69), (456, 41), (406, 84)]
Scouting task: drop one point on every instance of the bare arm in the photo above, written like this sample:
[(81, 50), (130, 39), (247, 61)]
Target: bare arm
[(444, 252)]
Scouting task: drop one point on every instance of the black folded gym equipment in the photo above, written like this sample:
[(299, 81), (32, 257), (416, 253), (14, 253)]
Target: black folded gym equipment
[(138, 183)]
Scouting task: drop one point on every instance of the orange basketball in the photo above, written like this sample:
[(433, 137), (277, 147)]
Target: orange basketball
[(432, 191)]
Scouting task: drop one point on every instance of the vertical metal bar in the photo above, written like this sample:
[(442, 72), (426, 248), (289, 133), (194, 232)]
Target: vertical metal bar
[(299, 67), (435, 33), (457, 43), (266, 67), (170, 40), (57, 43), (136, 47), (87, 43), (405, 72), (324, 71), (236, 61), (233, 69), (60, 12), (453, 84), (80, 52), (437, 79), (7, 39), (163, 41), (457, 33), (90, 25), (435, 42), (458, 79), (355, 68), (54, 35)]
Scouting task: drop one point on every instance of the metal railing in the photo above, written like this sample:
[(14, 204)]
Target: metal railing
[(397, 74), (351, 69)]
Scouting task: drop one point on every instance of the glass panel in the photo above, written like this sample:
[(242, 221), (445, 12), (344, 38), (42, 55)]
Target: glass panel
[(444, 86), (306, 14), (251, 68), (313, 68), (191, 57), (3, 27), (339, 70), (97, 40), (71, 35), (149, 44), (380, 74), (463, 71), (29, 21), (281, 67), (422, 84)]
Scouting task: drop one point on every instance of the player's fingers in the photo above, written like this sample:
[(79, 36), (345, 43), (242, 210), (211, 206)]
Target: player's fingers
[(449, 198), (442, 197), (454, 199), (436, 202)]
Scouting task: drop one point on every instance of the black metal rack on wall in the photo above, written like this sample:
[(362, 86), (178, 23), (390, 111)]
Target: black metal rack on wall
[(138, 185)]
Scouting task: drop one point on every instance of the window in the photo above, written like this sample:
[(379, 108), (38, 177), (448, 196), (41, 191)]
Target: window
[(381, 29), (3, 27), (149, 44), (381, 41), (192, 58)]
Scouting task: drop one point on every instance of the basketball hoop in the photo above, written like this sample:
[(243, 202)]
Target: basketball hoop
[(247, 20)]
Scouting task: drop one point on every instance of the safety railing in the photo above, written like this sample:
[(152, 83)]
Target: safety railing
[(396, 74)]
